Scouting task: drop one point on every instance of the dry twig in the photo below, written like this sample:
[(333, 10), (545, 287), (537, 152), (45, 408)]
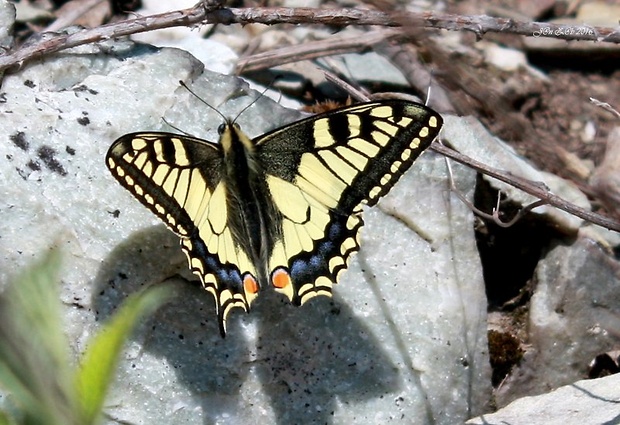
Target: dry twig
[(495, 215), (606, 106), (201, 14), (533, 188), (315, 49)]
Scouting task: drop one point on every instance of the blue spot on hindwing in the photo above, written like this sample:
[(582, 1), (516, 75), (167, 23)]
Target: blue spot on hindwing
[(228, 275), (306, 267)]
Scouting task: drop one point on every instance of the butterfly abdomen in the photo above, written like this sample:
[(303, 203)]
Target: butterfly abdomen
[(252, 217)]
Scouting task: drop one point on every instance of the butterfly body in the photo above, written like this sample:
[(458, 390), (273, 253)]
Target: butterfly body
[(252, 217), (282, 210)]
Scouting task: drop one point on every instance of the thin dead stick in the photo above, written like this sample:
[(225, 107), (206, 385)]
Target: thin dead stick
[(315, 49), (50, 43), (479, 24), (408, 58), (78, 9), (495, 216), (606, 106), (354, 92), (533, 188)]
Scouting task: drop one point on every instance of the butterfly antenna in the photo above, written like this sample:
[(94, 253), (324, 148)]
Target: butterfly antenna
[(257, 98), (175, 127), (202, 100)]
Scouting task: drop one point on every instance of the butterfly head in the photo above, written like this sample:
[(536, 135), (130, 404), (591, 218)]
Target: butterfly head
[(227, 125), (233, 140)]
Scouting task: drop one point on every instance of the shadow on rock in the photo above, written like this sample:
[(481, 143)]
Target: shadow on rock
[(306, 358)]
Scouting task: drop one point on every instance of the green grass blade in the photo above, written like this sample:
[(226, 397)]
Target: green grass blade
[(5, 419), (98, 363), (34, 361)]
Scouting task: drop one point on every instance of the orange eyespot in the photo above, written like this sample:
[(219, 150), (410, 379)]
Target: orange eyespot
[(250, 285), (280, 278)]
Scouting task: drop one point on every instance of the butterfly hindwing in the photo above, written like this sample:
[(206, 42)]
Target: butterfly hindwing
[(321, 170), (179, 178)]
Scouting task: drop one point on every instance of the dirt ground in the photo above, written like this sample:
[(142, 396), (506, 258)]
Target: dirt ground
[(556, 126)]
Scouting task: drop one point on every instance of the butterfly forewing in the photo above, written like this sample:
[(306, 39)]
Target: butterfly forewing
[(307, 182), (320, 172)]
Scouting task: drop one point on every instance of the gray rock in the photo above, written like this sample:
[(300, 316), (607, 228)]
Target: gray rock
[(585, 402), (7, 18), (574, 316), (403, 339)]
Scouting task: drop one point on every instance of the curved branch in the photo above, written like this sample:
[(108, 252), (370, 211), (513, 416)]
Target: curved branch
[(53, 42), (533, 188)]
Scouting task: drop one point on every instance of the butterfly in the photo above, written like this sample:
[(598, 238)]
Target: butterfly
[(282, 210)]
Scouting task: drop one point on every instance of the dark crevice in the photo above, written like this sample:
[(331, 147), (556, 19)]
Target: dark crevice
[(509, 255)]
